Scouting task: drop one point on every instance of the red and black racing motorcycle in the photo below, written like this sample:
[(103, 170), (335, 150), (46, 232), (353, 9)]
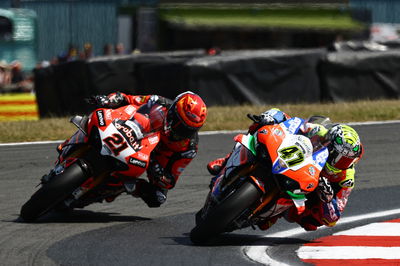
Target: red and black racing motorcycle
[(103, 159)]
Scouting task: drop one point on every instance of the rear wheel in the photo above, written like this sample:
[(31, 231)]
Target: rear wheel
[(221, 215), (52, 193)]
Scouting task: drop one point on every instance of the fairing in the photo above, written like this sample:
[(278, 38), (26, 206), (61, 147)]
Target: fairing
[(293, 160), (128, 134)]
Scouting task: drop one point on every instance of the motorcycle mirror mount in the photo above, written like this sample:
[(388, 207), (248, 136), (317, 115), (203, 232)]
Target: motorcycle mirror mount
[(254, 118), (80, 122)]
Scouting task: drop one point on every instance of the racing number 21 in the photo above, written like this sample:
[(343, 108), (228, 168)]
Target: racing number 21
[(292, 155), (116, 143)]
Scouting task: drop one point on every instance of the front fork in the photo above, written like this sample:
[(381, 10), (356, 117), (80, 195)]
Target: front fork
[(96, 171), (267, 185)]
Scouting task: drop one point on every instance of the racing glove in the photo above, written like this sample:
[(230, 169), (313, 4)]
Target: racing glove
[(160, 100), (111, 101), (262, 119), (160, 177), (324, 190), (269, 117)]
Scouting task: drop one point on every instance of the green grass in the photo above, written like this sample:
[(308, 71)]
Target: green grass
[(294, 17), (229, 118), (219, 118)]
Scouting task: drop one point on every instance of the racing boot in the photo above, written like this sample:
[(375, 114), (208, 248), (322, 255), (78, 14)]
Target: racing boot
[(114, 188), (214, 167), (305, 220), (152, 195)]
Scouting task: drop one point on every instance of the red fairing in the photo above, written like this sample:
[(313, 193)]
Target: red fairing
[(121, 139)]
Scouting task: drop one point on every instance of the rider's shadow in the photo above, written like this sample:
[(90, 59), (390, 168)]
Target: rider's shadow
[(85, 216)]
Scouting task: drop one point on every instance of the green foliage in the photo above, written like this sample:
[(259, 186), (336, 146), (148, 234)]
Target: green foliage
[(287, 17)]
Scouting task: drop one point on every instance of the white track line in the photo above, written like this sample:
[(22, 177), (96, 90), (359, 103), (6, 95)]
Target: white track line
[(374, 229), (202, 133), (30, 143), (260, 253), (359, 253), (379, 232)]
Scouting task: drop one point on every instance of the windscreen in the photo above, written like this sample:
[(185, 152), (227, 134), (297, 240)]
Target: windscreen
[(155, 114)]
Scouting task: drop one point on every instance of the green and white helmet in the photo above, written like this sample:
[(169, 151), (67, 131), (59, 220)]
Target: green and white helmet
[(345, 148)]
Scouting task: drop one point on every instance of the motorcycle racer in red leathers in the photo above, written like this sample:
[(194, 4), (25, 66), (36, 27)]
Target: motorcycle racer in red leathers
[(178, 142), (325, 206)]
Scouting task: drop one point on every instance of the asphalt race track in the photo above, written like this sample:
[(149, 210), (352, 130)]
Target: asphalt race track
[(127, 232)]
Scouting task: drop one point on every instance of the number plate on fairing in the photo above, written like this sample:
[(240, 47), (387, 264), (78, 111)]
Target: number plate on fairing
[(114, 144), (294, 152)]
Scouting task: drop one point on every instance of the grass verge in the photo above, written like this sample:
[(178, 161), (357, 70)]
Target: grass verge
[(294, 17), (219, 118)]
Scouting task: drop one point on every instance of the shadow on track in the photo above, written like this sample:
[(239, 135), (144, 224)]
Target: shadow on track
[(85, 216), (233, 239)]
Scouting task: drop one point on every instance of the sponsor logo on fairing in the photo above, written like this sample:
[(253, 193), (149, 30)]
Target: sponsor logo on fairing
[(130, 109), (137, 162), (311, 170), (320, 157), (153, 140), (278, 132), (130, 134), (108, 115), (100, 117), (142, 156), (279, 166), (293, 124), (136, 146), (136, 129)]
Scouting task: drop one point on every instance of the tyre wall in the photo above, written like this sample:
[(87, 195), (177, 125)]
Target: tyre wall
[(229, 78)]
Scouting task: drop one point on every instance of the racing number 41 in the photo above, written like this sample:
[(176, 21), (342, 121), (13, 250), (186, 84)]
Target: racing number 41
[(292, 155), (116, 143)]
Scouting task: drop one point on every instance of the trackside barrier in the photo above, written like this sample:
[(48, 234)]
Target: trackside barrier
[(230, 78)]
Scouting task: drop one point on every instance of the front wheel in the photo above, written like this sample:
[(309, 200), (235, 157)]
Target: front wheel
[(221, 215), (52, 193)]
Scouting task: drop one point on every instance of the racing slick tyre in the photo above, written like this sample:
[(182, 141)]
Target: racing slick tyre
[(221, 215), (52, 193)]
